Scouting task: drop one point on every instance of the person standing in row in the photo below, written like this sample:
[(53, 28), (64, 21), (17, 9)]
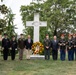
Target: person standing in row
[(55, 47), (47, 45), (28, 46), (62, 46), (21, 46), (13, 47), (70, 48), (74, 45), (5, 46)]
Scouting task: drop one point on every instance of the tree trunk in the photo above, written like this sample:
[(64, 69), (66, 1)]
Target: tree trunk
[(55, 32)]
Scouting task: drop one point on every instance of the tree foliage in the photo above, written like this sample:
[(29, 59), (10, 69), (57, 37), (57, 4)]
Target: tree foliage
[(7, 22), (3, 11), (10, 27)]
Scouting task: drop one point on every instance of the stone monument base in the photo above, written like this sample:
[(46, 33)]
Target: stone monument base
[(37, 57)]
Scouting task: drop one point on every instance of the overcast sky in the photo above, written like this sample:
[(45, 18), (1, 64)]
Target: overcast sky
[(15, 6)]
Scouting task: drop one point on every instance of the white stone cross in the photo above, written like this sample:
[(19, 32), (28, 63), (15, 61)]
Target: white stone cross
[(36, 24)]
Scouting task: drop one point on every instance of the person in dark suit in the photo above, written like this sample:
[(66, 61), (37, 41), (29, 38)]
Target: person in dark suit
[(55, 47), (74, 46), (62, 46), (28, 46), (47, 45), (13, 47), (70, 48), (21, 46), (5, 46)]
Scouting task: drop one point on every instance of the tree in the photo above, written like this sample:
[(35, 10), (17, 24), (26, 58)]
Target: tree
[(7, 22), (10, 27), (59, 14), (3, 11)]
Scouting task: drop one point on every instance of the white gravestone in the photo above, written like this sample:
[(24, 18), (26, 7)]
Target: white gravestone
[(36, 24)]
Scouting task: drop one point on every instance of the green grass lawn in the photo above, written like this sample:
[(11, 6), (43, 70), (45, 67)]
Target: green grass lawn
[(37, 67)]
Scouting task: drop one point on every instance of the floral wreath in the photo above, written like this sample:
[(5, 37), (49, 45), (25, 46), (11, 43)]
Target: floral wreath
[(37, 48)]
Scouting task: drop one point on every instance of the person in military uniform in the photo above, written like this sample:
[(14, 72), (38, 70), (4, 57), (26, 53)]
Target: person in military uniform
[(62, 46), (28, 46), (21, 46), (70, 48), (13, 47), (5, 46), (47, 45), (74, 46), (55, 47)]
